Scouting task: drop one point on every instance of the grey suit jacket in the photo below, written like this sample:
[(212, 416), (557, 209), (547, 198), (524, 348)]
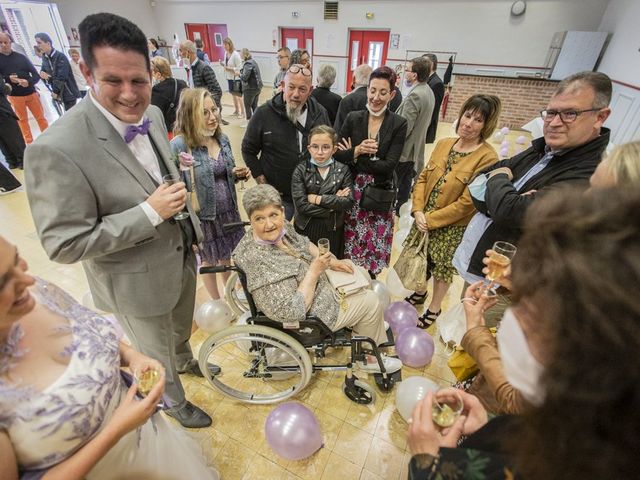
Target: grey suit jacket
[(85, 188), (416, 108)]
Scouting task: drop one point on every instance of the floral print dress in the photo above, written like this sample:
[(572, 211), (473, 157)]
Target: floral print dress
[(367, 235), (48, 426)]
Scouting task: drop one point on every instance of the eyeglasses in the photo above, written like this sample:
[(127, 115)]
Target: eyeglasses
[(300, 69), (566, 116), (280, 57), (321, 148)]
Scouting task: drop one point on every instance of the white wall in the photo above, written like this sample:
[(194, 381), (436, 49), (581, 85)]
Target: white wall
[(621, 62)]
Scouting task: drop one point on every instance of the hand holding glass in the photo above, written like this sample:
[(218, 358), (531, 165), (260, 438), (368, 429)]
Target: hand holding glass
[(446, 408), (375, 137), (172, 179), (323, 245), (499, 261), (146, 380)]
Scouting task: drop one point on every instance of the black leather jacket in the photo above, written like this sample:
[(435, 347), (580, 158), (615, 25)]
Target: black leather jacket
[(306, 180)]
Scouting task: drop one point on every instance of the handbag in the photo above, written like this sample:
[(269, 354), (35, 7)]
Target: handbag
[(411, 265), (237, 87), (347, 284), (379, 198), (462, 364)]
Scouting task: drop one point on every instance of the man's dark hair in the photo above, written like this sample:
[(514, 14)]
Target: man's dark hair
[(421, 66), (44, 37), (109, 30), (434, 60), (296, 56), (154, 42), (597, 81), (198, 43)]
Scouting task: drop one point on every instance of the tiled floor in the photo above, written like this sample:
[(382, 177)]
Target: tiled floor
[(360, 442)]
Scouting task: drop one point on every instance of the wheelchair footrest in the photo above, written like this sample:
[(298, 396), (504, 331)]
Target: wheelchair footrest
[(386, 382), (358, 391)]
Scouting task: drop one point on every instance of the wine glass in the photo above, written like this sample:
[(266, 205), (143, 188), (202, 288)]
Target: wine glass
[(146, 380), (172, 179), (375, 137), (323, 245), (499, 261), (446, 408)]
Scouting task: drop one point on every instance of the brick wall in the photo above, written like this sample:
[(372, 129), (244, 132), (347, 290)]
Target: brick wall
[(522, 99)]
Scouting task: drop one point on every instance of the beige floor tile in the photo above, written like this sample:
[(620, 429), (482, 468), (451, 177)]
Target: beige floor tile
[(404, 466), (310, 468), (367, 475), (330, 427), (391, 427), (365, 417), (234, 460), (353, 444), (263, 469), (334, 402), (384, 458), (340, 468)]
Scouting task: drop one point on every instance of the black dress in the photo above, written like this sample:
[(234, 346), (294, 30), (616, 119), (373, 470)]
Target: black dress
[(165, 95)]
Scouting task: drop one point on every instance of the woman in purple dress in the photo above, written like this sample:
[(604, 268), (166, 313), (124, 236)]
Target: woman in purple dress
[(201, 147)]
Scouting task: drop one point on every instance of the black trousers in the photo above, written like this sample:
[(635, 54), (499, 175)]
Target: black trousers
[(7, 181), (405, 172), (11, 141), (250, 99), (69, 103)]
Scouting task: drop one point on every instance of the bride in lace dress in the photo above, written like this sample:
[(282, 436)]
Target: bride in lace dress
[(65, 411)]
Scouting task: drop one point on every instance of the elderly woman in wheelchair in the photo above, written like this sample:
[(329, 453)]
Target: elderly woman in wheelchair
[(294, 308)]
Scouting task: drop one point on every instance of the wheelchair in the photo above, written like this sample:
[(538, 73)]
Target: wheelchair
[(261, 362)]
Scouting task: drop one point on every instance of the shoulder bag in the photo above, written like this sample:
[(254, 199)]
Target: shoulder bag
[(347, 284), (379, 198), (411, 265)]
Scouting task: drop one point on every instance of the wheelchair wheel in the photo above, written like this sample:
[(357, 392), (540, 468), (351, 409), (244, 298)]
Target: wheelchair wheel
[(276, 368), (234, 295)]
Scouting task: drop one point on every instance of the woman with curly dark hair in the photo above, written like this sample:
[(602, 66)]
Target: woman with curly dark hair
[(570, 345)]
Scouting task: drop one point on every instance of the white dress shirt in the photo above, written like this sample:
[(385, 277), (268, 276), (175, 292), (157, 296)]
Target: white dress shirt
[(143, 151)]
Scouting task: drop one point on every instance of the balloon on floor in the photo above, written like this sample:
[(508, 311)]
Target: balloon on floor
[(410, 391), (213, 316), (292, 431), (382, 292), (414, 347), (400, 315)]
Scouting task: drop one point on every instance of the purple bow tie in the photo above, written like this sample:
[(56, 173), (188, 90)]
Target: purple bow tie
[(133, 130)]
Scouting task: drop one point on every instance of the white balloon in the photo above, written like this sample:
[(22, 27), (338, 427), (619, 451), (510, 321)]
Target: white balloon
[(279, 358), (410, 391), (399, 238), (395, 285), (405, 209), (504, 130), (405, 222), (382, 292), (498, 137), (213, 316)]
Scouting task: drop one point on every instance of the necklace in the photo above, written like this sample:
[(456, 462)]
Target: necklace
[(9, 352)]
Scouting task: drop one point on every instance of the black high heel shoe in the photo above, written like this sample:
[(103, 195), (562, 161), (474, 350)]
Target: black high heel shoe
[(427, 319), (416, 298)]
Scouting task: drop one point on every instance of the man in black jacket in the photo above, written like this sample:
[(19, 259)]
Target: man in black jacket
[(200, 74), (278, 131), (438, 91), (357, 99), (572, 146), (56, 71), (11, 141)]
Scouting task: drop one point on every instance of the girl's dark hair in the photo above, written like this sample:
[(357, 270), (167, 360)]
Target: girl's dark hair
[(324, 130), (384, 73), (109, 30), (578, 266), (488, 106), (154, 42)]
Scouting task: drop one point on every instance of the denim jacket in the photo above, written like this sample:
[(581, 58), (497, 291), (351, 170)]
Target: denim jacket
[(203, 170)]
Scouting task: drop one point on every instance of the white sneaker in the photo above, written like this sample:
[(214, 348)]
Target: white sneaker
[(391, 364), (386, 326)]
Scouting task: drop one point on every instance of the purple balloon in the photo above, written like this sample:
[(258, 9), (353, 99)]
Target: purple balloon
[(414, 347), (293, 431), (504, 152), (400, 315)]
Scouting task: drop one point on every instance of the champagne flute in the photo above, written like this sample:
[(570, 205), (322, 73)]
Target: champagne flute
[(375, 137), (499, 261), (146, 380), (172, 179), (446, 409), (323, 245)]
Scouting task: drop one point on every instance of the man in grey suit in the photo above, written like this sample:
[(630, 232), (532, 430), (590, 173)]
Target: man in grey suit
[(416, 108), (95, 186)]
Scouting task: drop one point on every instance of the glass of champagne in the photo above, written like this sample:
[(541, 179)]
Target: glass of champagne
[(323, 245), (446, 409), (146, 380), (499, 261), (375, 137), (172, 179)]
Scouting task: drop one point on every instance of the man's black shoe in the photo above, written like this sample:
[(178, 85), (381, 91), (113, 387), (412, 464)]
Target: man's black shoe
[(192, 368), (190, 416)]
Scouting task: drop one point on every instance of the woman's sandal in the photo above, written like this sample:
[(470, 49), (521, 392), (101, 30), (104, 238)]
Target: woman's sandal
[(416, 299), (427, 319)]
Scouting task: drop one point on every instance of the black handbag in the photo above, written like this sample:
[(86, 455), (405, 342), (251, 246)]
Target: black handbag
[(379, 198)]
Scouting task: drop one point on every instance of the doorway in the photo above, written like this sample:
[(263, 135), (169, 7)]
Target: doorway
[(366, 46), (295, 38), (212, 35)]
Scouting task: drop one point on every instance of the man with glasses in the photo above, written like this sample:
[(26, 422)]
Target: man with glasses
[(571, 148), (277, 134), (283, 62)]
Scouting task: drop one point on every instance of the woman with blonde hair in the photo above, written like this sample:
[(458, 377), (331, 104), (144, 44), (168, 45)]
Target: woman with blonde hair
[(200, 145), (231, 63), (621, 167), (166, 91)]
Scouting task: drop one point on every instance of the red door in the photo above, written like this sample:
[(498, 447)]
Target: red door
[(211, 35), (295, 38), (366, 46)]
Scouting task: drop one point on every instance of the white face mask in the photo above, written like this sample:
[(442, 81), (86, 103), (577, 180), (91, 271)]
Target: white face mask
[(376, 114), (522, 370)]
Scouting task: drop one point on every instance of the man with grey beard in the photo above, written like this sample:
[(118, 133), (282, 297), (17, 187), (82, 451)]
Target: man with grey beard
[(277, 134)]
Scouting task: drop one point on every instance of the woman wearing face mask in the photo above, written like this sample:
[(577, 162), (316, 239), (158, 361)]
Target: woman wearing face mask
[(371, 144), (201, 145), (166, 90), (575, 323)]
